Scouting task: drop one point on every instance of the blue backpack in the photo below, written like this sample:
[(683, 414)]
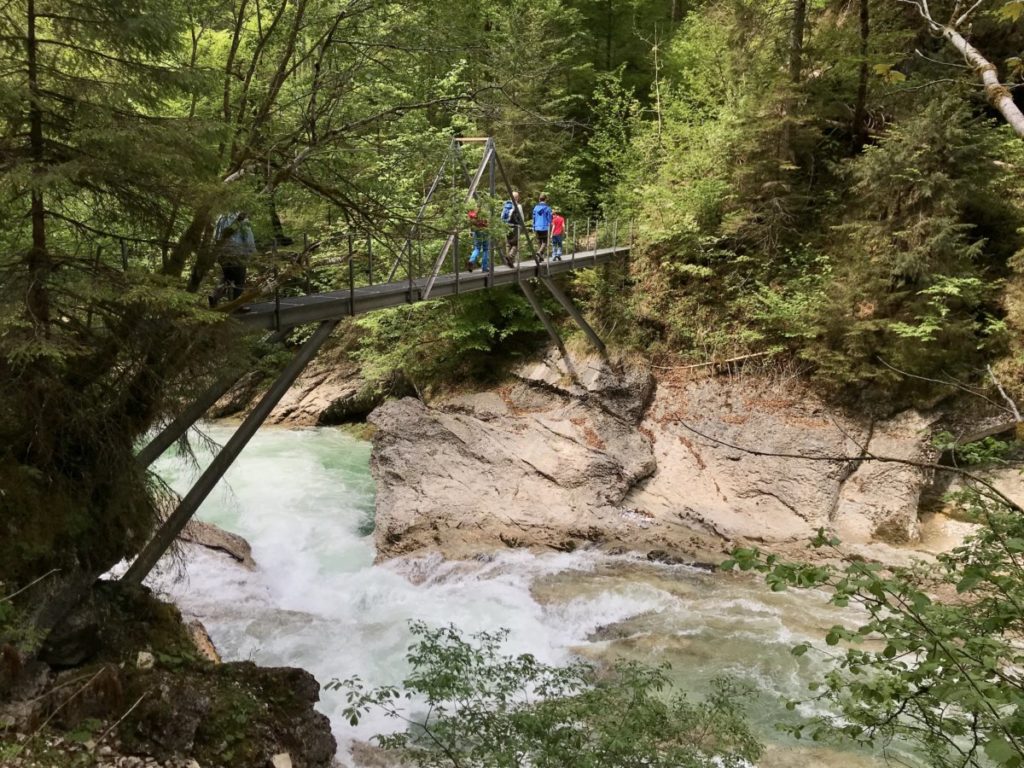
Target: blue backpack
[(506, 211)]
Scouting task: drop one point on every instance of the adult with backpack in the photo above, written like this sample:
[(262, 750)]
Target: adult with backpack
[(512, 215), (542, 215), (234, 241)]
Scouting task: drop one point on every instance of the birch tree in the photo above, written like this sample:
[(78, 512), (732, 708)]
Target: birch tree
[(997, 94)]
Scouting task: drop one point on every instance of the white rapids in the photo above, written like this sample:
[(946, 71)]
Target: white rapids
[(304, 500)]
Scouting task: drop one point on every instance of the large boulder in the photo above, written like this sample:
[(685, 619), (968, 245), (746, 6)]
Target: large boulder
[(232, 715), (543, 464), (216, 538)]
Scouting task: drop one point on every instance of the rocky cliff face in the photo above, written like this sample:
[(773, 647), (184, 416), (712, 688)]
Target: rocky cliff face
[(588, 455)]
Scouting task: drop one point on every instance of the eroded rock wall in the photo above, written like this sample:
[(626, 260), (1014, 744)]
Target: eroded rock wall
[(584, 454)]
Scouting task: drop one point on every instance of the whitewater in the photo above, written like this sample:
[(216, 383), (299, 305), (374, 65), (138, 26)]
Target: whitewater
[(304, 499)]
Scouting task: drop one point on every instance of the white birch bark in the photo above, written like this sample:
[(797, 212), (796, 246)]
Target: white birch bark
[(998, 95)]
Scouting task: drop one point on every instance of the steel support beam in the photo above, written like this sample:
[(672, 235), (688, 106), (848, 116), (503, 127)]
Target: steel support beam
[(549, 326), (178, 519), (473, 187), (576, 315), (414, 230), (171, 433)]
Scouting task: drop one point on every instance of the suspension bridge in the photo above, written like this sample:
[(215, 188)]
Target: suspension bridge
[(409, 280)]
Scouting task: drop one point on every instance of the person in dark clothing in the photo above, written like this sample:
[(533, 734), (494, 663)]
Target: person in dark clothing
[(235, 243), (512, 215)]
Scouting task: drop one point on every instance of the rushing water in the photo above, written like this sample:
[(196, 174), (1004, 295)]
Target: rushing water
[(304, 500)]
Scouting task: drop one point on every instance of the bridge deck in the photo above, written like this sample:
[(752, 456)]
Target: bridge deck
[(296, 310)]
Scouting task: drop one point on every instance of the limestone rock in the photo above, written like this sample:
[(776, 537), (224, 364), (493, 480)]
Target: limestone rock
[(145, 660), (281, 760), (622, 388), (557, 459), (880, 500), (331, 391), (471, 475), (203, 643), (214, 537)]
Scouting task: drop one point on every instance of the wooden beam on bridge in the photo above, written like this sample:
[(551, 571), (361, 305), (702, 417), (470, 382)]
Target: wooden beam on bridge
[(168, 532)]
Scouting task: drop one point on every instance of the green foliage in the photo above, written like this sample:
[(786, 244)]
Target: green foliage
[(439, 343), (937, 660), (991, 450), (466, 704), (769, 218)]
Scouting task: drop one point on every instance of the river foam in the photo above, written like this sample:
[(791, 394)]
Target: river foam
[(303, 499)]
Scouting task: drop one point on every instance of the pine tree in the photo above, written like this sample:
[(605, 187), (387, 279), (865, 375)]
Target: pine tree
[(93, 346)]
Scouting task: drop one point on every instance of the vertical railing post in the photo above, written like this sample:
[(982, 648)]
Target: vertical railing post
[(455, 263), (408, 269), (351, 276), (597, 234), (305, 263), (586, 240), (277, 302), (572, 257), (490, 241), (369, 256)]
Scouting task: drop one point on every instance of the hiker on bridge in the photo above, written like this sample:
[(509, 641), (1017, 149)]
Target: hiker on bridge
[(542, 224), (557, 236), (235, 244), (481, 241), (512, 214)]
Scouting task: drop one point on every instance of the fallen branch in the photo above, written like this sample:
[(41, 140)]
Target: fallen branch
[(1009, 400), (8, 598), (711, 362), (998, 95), (120, 720)]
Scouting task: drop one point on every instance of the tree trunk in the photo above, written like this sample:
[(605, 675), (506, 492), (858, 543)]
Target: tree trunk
[(996, 93), (39, 263), (189, 242), (860, 116), (796, 53), (796, 39), (609, 26)]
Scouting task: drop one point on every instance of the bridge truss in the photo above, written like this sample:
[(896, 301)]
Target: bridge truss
[(444, 278)]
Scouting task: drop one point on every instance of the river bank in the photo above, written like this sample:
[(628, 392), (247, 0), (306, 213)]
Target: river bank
[(565, 505)]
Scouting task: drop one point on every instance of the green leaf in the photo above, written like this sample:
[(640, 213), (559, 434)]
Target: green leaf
[(1011, 11), (1002, 752)]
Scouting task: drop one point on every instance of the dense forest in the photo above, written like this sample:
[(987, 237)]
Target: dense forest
[(836, 183)]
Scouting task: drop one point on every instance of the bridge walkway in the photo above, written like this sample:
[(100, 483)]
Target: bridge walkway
[(288, 312)]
